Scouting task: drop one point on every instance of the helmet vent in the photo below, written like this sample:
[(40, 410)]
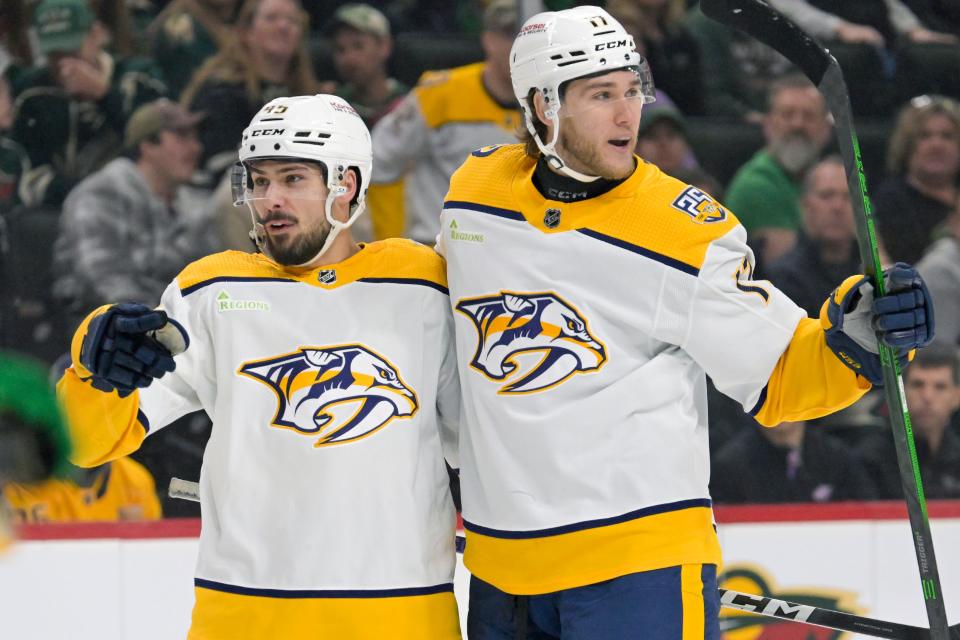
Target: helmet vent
[(577, 53), (318, 144), (569, 62), (302, 134), (557, 56), (603, 33), (270, 119)]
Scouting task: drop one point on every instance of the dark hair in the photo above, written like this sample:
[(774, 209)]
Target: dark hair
[(935, 356)]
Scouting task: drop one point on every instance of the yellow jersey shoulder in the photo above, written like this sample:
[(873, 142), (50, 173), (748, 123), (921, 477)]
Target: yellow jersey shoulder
[(228, 264), (402, 259), (457, 96), (669, 217), (486, 176)]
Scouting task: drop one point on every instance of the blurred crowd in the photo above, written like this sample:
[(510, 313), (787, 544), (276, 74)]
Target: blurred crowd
[(120, 119)]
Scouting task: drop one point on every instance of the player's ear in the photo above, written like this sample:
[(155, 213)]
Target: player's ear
[(540, 107)]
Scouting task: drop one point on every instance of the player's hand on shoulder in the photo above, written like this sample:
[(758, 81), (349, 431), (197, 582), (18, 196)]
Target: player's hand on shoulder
[(126, 346), (903, 319)]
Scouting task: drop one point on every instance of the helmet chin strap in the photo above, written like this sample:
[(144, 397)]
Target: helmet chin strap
[(259, 235), (549, 150)]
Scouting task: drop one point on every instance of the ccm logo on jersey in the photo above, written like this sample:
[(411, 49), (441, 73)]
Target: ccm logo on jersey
[(339, 393), (543, 326), (699, 206)]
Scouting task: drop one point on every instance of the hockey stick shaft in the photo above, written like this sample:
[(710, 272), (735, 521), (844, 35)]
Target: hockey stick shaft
[(758, 19), (184, 489)]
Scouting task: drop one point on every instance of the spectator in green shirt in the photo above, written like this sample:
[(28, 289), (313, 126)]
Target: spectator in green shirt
[(765, 192)]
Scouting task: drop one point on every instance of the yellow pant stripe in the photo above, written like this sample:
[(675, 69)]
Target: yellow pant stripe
[(691, 588)]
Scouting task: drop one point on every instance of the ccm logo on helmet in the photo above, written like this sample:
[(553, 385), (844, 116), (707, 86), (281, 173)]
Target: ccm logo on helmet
[(613, 44), (267, 132)]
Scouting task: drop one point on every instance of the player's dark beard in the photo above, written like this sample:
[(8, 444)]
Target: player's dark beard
[(299, 250)]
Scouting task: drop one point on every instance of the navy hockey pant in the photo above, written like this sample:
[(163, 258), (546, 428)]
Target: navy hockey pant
[(650, 604)]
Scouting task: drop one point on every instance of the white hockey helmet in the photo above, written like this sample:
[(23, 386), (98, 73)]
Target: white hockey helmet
[(555, 47), (322, 128)]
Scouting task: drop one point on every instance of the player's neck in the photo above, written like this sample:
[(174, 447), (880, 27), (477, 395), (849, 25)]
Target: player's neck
[(556, 186)]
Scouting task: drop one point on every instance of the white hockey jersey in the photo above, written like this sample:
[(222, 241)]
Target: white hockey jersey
[(583, 333), (423, 141), (325, 499)]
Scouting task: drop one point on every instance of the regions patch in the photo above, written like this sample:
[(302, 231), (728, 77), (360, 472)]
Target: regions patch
[(700, 206)]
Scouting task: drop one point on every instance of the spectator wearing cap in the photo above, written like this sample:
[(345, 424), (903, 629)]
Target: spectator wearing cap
[(187, 33), (128, 229), (662, 139), (362, 44), (71, 112), (446, 116)]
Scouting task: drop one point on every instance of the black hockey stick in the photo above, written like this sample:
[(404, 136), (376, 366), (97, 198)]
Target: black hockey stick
[(794, 612), (761, 21)]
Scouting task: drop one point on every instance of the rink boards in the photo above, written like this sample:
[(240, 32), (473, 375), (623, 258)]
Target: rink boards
[(128, 581)]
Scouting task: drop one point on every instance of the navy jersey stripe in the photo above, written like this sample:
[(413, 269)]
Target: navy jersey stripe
[(200, 285), (482, 208), (760, 401), (142, 418), (416, 281), (647, 253), (322, 593), (589, 524)]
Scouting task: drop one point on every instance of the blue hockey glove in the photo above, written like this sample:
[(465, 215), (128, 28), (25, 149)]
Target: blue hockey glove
[(129, 345), (852, 318)]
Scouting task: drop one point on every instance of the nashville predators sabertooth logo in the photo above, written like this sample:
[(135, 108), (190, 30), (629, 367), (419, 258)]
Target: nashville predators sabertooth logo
[(511, 325), (339, 393)]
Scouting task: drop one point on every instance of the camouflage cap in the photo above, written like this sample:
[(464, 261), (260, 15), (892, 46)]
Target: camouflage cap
[(361, 17), (501, 16), (62, 25)]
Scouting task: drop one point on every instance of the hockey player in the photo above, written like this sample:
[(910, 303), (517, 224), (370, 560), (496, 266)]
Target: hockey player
[(592, 293), (328, 371)]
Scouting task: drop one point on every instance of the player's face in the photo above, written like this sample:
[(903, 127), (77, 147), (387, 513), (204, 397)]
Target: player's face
[(599, 121), (936, 153), (289, 200), (932, 397)]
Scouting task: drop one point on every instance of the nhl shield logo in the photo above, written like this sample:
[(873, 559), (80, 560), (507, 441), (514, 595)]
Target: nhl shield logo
[(551, 218), (327, 276)]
